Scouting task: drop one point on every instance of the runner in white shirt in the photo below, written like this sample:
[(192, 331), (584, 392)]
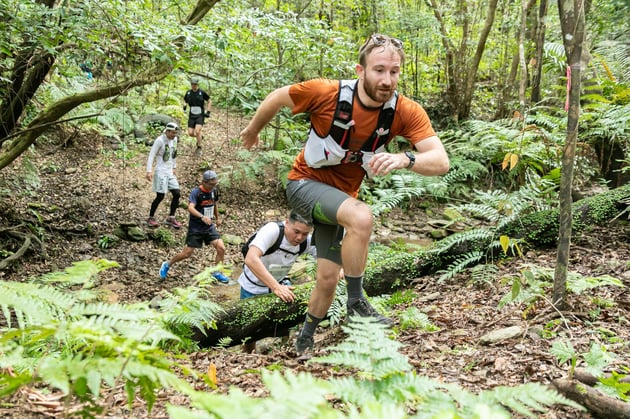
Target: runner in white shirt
[(262, 273), (266, 273), (164, 154)]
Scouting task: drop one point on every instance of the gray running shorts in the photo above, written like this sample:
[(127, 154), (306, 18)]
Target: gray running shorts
[(164, 183), (320, 203)]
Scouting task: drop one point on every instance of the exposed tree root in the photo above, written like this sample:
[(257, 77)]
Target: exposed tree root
[(27, 240), (596, 402)]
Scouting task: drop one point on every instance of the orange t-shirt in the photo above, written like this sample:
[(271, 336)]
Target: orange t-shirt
[(319, 98)]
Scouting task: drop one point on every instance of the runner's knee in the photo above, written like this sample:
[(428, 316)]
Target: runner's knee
[(356, 216)]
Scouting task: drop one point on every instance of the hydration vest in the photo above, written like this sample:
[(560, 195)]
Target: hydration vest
[(332, 149)]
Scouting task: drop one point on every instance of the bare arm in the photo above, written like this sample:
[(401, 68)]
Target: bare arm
[(254, 263), (265, 113), (431, 159)]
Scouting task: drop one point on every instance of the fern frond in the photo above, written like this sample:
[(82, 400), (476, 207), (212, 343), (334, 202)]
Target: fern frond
[(461, 263), (32, 304), (408, 389), (83, 272), (484, 274), (337, 310), (414, 318), (469, 236), (611, 122), (291, 396), (191, 307), (396, 189), (527, 397), (563, 351), (368, 349)]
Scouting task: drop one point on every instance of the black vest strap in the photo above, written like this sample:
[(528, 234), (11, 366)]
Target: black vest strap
[(343, 123)]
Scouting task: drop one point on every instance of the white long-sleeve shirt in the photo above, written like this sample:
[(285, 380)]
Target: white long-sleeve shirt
[(163, 154)]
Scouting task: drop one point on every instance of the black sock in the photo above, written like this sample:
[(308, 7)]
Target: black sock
[(310, 324), (354, 288)]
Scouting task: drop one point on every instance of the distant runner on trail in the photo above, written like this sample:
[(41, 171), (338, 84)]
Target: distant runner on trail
[(164, 154), (351, 123), (195, 99), (202, 225)]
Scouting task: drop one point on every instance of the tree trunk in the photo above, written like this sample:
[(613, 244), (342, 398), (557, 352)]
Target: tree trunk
[(541, 27), (572, 21), (525, 6), (471, 70), (461, 70), (267, 316), (452, 84)]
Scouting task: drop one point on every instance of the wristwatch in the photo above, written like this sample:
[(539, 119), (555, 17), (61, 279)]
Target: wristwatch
[(412, 159)]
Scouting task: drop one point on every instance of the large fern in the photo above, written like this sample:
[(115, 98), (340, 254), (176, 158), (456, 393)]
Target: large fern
[(79, 346), (397, 189), (382, 384)]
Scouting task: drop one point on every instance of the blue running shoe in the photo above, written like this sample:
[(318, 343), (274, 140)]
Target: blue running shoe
[(164, 270), (220, 277)]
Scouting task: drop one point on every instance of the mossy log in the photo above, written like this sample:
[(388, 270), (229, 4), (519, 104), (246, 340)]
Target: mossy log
[(256, 318), (267, 316), (538, 229)]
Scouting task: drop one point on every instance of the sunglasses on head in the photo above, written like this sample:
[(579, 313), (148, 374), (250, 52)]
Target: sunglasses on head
[(383, 40)]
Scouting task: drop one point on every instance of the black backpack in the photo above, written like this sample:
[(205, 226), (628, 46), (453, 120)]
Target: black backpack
[(275, 246)]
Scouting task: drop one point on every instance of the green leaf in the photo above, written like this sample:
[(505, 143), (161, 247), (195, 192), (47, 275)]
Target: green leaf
[(621, 389), (563, 351), (597, 358)]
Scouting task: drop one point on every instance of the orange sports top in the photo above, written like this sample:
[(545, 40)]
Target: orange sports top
[(319, 98)]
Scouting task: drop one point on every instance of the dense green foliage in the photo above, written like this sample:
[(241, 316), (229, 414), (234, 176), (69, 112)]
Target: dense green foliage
[(384, 386)]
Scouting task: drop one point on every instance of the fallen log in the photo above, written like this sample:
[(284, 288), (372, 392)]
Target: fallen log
[(267, 315), (595, 401), (538, 229), (256, 318)]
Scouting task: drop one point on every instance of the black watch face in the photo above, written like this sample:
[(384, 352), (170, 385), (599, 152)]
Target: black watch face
[(412, 158)]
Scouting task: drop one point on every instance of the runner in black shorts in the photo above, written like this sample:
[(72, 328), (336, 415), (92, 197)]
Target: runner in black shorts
[(204, 217), (195, 98)]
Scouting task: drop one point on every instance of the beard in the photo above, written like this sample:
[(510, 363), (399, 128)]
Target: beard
[(378, 94)]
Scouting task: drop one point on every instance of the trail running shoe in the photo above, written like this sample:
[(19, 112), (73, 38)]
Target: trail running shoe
[(363, 308), (164, 270), (152, 222), (171, 221), (304, 344), (220, 277), (198, 151)]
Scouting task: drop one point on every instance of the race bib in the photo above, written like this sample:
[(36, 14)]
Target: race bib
[(208, 211), (195, 110)]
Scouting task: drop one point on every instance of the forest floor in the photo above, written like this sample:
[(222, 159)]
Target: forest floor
[(84, 183)]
